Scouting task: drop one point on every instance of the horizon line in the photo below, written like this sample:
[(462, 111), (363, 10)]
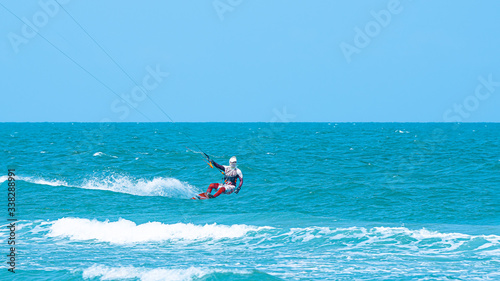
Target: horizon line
[(291, 122)]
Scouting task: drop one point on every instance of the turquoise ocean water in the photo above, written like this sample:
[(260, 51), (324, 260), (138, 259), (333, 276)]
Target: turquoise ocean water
[(320, 201)]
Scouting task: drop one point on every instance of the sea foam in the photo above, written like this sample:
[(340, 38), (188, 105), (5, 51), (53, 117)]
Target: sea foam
[(159, 186), (124, 231), (37, 180), (146, 274)]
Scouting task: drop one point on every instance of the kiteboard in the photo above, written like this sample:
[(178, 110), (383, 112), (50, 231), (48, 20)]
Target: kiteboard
[(201, 196)]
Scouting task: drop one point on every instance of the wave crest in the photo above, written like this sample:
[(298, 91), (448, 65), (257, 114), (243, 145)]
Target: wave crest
[(426, 241), (99, 154), (124, 231)]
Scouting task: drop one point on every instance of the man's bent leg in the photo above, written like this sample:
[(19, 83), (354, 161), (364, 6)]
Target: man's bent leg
[(220, 191), (212, 186)]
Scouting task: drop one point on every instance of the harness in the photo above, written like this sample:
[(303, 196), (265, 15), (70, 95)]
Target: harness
[(229, 179)]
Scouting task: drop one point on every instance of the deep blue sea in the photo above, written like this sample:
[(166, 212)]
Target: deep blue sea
[(320, 201)]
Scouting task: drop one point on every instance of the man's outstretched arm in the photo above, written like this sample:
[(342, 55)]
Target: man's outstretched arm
[(220, 167)]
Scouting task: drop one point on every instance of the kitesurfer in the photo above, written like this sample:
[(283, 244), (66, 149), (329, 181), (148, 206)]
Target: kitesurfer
[(231, 175)]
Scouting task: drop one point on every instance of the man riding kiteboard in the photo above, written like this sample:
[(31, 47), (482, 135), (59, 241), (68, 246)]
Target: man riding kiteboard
[(231, 175)]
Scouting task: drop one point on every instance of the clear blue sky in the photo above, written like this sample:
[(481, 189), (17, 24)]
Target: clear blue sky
[(333, 61)]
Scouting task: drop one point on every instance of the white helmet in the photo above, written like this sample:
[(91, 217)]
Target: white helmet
[(233, 162)]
